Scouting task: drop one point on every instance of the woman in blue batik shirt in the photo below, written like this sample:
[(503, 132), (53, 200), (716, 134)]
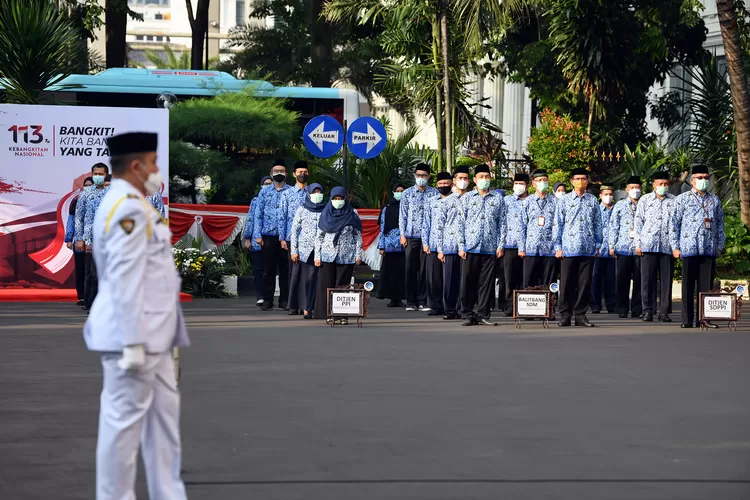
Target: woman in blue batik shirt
[(78, 255), (338, 247), (392, 270), (302, 239)]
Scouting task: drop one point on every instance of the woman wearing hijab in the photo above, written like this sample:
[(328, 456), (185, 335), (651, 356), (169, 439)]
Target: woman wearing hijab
[(392, 270), (253, 246), (337, 248), (304, 233)]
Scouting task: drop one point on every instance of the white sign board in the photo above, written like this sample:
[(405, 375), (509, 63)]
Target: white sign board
[(718, 307), (346, 303), (531, 304), (46, 152)]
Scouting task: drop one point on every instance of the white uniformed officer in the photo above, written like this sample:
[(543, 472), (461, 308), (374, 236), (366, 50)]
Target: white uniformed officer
[(135, 322)]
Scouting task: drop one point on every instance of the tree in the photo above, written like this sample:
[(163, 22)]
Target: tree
[(116, 17), (199, 28), (37, 43), (730, 34)]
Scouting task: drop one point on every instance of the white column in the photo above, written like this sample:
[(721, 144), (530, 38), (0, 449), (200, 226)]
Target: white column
[(493, 90), (526, 118), (512, 126)]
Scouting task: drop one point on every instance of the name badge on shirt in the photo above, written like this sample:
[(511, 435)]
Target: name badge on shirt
[(632, 233), (540, 221), (707, 223)]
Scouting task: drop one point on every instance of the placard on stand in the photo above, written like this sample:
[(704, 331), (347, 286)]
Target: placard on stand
[(350, 301), (719, 305), (533, 303)]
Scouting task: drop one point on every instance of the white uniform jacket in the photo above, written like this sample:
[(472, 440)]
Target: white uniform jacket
[(139, 286)]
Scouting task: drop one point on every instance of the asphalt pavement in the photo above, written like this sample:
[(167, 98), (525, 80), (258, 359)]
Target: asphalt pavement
[(407, 407)]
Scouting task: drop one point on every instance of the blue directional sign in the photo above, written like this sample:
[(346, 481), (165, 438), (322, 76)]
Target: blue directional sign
[(366, 137), (323, 136)]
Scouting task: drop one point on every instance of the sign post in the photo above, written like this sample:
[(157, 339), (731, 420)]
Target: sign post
[(366, 137), (323, 136)]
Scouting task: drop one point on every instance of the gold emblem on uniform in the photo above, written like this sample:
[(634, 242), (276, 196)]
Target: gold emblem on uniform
[(127, 225)]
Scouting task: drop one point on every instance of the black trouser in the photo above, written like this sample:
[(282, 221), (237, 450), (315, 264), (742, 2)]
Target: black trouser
[(603, 284), (653, 265), (628, 268), (513, 271), (698, 269), (477, 285), (274, 257), (91, 286), (434, 282), (539, 270), (80, 267), (452, 284), (502, 304), (575, 285), (330, 276), (416, 262)]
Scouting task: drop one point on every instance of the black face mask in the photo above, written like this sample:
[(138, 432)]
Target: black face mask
[(302, 178), (279, 177), (445, 190)]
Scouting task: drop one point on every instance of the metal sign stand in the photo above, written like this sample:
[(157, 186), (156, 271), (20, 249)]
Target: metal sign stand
[(735, 297), (549, 310), (364, 304)]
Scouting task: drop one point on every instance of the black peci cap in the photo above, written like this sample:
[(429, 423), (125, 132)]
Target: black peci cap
[(132, 142)]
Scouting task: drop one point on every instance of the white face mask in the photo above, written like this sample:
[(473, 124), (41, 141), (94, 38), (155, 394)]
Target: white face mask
[(634, 193), (338, 204), (153, 182), (559, 194), (607, 199), (316, 197), (462, 185), (519, 189)]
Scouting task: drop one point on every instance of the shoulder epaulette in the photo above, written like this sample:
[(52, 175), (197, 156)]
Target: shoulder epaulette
[(117, 204)]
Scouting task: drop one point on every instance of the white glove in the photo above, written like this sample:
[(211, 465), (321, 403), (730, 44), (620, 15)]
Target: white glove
[(133, 357)]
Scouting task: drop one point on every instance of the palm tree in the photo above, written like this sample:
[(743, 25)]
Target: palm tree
[(730, 34), (37, 43)]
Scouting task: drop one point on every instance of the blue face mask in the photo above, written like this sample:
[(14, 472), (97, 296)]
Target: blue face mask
[(397, 195), (98, 179), (421, 182)]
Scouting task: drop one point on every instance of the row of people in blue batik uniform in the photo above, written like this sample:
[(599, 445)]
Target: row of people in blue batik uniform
[(296, 237), (79, 230), (431, 238)]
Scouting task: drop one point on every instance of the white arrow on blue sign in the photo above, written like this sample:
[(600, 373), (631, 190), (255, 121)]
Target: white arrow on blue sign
[(366, 137), (323, 136)]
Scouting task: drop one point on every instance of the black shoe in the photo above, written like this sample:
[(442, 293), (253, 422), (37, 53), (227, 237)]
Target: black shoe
[(665, 319), (686, 325), (267, 306), (648, 316), (294, 312), (584, 321), (450, 316), (392, 303), (597, 311), (435, 312), (283, 306), (308, 316), (79, 303), (708, 324), (623, 315), (470, 321), (486, 322), (564, 322)]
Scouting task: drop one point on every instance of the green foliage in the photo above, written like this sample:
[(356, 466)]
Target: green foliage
[(233, 119), (644, 161), (559, 144), (189, 163), (181, 60), (37, 43), (736, 257), (468, 161)]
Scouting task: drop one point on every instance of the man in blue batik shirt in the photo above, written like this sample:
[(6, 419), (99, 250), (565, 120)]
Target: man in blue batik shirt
[(604, 277), (653, 219), (266, 234), (253, 246), (481, 242), (577, 232), (430, 231), (697, 238), (83, 223), (538, 248), (515, 220), (621, 234), (291, 199), (410, 223), (449, 219)]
